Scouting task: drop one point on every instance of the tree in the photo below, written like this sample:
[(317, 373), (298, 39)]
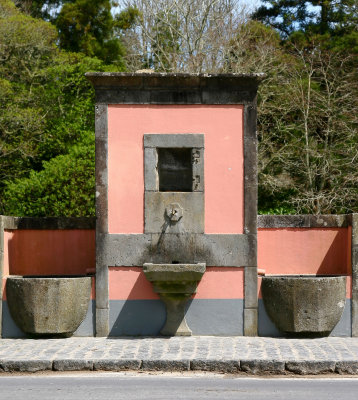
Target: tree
[(70, 99), (47, 104), (308, 130), (308, 133), (318, 16), (64, 187), (86, 26), (181, 35), (307, 104), (27, 46), (45, 9)]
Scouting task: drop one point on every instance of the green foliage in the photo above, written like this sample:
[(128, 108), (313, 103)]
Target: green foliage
[(47, 103), (69, 100), (127, 18), (7, 8), (87, 26), (316, 16), (275, 203), (307, 104), (65, 186), (307, 125), (307, 112), (27, 47), (40, 8), (166, 44)]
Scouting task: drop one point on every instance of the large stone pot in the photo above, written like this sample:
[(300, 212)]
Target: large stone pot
[(304, 305), (48, 306)]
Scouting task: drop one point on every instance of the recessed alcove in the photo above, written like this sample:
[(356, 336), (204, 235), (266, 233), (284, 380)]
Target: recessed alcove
[(175, 170)]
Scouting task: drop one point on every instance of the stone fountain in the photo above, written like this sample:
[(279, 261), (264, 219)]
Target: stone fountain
[(163, 214), (175, 284)]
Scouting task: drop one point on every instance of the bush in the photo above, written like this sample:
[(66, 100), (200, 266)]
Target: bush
[(65, 186)]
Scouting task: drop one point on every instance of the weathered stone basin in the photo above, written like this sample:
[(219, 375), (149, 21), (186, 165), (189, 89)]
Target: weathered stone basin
[(304, 305), (175, 284), (48, 306)]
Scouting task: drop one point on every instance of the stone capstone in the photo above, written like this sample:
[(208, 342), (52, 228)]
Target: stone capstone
[(48, 306)]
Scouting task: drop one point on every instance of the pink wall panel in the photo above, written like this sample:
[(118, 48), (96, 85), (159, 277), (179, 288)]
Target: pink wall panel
[(280, 251), (43, 252), (7, 236), (223, 130), (304, 251), (217, 283)]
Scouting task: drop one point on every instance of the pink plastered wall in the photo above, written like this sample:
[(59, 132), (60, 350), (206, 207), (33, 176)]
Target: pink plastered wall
[(311, 251), (304, 251), (130, 283), (222, 126), (49, 252)]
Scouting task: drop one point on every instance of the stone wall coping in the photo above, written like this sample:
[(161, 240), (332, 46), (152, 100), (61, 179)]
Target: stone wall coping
[(304, 221), (43, 223), (263, 222)]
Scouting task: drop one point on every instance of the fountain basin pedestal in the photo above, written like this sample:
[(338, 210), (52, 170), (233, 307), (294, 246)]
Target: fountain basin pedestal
[(48, 306), (304, 305), (175, 284)]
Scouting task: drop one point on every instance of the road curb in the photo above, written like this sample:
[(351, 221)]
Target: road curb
[(311, 367), (117, 365), (249, 367), (25, 365)]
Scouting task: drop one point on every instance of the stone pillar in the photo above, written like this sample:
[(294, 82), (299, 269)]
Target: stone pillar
[(250, 218), (102, 289), (355, 275), (1, 267)]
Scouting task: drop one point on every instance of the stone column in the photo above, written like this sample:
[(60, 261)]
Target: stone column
[(1, 267), (355, 275), (102, 289), (250, 219)]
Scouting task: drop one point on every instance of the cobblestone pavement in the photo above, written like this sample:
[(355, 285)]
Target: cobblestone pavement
[(255, 355)]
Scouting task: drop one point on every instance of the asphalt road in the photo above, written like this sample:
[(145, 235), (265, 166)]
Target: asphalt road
[(128, 386)]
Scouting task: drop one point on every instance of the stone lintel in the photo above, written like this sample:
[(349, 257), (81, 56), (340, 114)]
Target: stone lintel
[(218, 250), (174, 140)]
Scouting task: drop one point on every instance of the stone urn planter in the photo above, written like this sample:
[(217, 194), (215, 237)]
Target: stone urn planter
[(48, 306), (304, 305), (175, 284)]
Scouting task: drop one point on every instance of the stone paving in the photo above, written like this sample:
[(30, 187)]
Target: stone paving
[(255, 355)]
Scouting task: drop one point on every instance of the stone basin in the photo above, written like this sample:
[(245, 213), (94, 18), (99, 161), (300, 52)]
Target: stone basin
[(48, 306), (304, 305), (175, 284)]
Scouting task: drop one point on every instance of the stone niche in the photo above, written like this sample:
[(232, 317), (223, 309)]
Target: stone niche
[(174, 174), (176, 181)]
